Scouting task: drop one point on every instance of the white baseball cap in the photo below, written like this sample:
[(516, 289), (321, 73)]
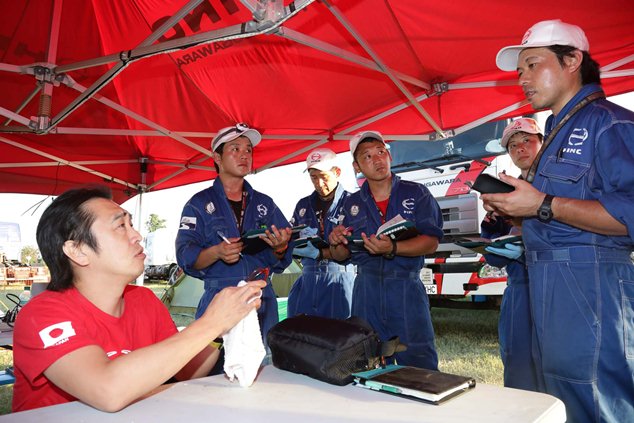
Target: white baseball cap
[(527, 125), (321, 159), (230, 133), (362, 136), (543, 34)]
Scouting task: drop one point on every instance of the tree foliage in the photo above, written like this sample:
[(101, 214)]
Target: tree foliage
[(154, 222), (29, 255)]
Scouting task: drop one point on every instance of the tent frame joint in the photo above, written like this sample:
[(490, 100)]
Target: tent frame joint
[(441, 87)]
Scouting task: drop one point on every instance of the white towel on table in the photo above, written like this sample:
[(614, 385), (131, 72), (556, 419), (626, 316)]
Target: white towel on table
[(244, 349)]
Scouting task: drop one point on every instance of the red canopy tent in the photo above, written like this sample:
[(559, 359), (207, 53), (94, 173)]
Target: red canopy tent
[(130, 92)]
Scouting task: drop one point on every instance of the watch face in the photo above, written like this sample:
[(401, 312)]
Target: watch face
[(544, 215)]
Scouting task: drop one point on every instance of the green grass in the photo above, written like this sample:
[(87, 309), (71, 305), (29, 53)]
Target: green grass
[(466, 341)]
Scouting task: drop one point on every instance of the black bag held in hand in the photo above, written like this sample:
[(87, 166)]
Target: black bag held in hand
[(329, 350)]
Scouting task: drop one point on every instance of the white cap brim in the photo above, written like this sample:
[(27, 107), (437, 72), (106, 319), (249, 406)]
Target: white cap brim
[(253, 135)]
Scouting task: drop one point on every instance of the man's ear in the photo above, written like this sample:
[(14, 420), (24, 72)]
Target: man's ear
[(217, 157), (75, 252), (336, 171), (573, 61), (356, 167)]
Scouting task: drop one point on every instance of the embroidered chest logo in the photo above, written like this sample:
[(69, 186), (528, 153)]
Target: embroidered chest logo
[(302, 212), (408, 204), (56, 334), (210, 208), (575, 141), (262, 210), (354, 210)]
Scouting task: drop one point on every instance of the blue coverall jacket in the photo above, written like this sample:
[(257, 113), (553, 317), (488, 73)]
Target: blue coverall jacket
[(205, 215), (388, 293), (325, 286), (582, 282)]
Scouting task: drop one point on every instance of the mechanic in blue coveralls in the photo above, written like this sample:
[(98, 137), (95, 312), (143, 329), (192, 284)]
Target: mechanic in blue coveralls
[(578, 228), (325, 286), (522, 139), (208, 243), (388, 292)]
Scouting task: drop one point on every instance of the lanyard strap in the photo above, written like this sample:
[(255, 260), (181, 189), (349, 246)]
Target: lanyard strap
[(240, 221), (586, 100)]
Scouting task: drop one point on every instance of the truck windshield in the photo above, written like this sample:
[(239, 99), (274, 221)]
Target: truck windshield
[(474, 145)]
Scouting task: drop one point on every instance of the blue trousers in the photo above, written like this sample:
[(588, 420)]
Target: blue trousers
[(396, 304), (324, 289), (515, 331), (582, 300)]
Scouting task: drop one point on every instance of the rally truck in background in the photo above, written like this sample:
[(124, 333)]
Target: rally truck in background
[(456, 276)]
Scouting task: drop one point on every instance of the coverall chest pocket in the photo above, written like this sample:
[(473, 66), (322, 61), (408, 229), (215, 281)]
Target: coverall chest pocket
[(217, 226), (561, 174), (359, 224), (564, 170)]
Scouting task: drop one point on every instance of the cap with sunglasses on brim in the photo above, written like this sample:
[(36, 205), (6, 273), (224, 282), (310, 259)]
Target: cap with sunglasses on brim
[(363, 136), (543, 34), (230, 133)]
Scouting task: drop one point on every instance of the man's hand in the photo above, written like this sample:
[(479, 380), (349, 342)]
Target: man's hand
[(523, 202), (338, 235), (338, 249), (232, 304), (277, 239), (380, 245), (229, 253)]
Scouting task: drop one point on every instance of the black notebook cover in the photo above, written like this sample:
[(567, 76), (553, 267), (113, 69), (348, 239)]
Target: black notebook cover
[(415, 383), (487, 184)]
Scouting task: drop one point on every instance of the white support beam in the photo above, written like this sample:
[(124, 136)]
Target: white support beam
[(82, 162), (243, 30), (14, 117), (482, 84), (6, 67), (382, 115), (178, 172), (118, 67), (332, 50), (618, 63), (143, 120), (490, 117), (68, 163), (617, 73), (342, 19)]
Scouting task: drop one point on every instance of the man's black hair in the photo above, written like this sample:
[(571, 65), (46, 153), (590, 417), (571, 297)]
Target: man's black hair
[(590, 71), (67, 219)]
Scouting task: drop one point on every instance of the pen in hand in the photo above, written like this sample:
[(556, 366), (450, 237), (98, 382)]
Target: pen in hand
[(225, 239)]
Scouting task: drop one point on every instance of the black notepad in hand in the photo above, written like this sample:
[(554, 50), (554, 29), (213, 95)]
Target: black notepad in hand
[(396, 228), (253, 242), (487, 184), (414, 383)]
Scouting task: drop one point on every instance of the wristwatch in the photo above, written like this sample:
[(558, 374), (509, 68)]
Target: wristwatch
[(392, 253), (545, 211)]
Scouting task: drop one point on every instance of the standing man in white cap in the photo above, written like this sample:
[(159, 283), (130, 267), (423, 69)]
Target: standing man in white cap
[(325, 286), (208, 243), (522, 139), (578, 228), (388, 292)]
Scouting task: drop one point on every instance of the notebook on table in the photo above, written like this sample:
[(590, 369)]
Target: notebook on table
[(414, 383)]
